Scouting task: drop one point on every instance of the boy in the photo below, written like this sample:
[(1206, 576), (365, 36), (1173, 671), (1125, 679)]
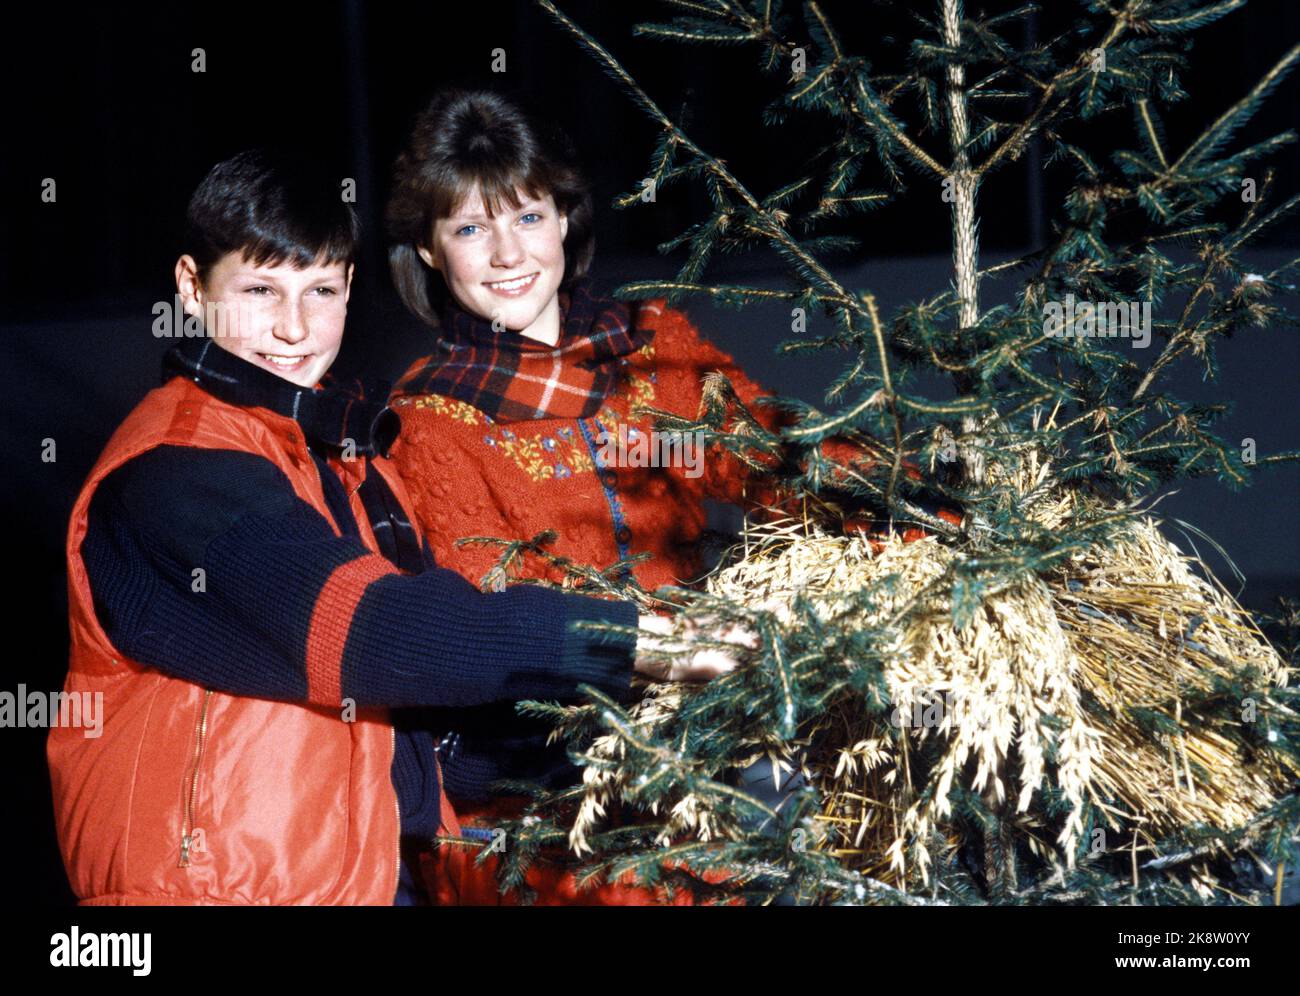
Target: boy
[(247, 592)]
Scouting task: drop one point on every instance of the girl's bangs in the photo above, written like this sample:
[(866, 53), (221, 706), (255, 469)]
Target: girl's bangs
[(500, 187)]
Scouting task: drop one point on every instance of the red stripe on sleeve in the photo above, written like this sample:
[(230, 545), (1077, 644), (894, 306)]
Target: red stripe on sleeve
[(331, 621)]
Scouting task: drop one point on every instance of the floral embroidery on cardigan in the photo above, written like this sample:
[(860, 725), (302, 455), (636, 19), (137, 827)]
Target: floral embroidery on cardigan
[(452, 407), (540, 462)]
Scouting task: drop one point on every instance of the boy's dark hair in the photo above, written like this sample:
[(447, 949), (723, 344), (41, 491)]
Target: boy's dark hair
[(272, 207), (468, 138)]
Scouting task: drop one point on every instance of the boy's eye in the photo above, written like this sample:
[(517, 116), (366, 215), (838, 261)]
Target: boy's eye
[(326, 291), (258, 291)]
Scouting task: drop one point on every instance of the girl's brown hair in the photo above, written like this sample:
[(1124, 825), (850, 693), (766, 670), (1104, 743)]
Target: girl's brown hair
[(469, 138)]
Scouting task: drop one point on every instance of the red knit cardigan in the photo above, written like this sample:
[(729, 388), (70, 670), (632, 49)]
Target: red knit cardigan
[(470, 476)]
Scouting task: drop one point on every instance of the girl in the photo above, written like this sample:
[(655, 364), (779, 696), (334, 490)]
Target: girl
[(509, 425)]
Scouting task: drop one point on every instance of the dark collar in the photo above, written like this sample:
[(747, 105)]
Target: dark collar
[(329, 415)]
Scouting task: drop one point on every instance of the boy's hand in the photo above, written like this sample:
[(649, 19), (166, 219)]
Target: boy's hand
[(666, 634)]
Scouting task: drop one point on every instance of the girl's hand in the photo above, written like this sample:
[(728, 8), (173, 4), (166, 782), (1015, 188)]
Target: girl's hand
[(665, 634)]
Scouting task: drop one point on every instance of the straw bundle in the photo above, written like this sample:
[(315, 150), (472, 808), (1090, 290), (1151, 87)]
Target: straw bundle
[(1048, 693), (1058, 666)]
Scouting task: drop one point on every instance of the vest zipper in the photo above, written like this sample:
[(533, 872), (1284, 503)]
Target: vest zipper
[(187, 819), (397, 808)]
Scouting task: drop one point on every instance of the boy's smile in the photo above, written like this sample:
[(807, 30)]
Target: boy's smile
[(283, 319)]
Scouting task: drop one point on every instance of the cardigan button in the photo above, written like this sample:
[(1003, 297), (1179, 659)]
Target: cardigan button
[(623, 534), (609, 478)]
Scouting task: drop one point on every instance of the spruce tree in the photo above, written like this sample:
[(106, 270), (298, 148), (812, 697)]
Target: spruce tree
[(1054, 442)]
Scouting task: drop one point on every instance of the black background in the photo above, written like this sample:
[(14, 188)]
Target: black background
[(102, 99)]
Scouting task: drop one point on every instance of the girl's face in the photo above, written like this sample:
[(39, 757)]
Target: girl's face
[(505, 269)]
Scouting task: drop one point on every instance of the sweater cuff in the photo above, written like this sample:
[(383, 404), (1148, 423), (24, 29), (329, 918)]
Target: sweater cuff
[(603, 660)]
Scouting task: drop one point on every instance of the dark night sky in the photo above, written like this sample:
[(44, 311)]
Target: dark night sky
[(107, 105)]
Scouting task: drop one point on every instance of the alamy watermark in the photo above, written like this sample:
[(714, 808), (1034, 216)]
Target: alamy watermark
[(932, 709), (93, 949), (172, 321), (37, 709), (1069, 319), (632, 447)]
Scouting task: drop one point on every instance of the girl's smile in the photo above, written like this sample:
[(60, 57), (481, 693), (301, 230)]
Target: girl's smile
[(514, 288)]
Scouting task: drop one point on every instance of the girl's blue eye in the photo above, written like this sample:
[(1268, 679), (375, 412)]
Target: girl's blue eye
[(531, 214), (464, 229)]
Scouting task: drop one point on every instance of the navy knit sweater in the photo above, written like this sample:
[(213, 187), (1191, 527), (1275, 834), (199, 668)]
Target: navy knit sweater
[(427, 639)]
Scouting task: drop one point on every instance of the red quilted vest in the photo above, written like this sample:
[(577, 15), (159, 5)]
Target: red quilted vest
[(190, 795)]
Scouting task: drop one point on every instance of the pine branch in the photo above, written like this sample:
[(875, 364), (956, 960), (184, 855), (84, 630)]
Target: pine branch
[(1075, 436)]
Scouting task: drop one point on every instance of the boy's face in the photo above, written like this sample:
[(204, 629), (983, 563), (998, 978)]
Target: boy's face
[(285, 320)]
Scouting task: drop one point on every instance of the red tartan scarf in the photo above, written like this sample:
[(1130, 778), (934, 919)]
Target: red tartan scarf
[(513, 378)]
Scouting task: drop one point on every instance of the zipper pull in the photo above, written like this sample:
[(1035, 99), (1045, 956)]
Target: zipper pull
[(447, 746), (185, 851)]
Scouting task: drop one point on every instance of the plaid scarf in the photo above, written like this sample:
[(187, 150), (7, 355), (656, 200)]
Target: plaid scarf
[(330, 415), (512, 378)]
